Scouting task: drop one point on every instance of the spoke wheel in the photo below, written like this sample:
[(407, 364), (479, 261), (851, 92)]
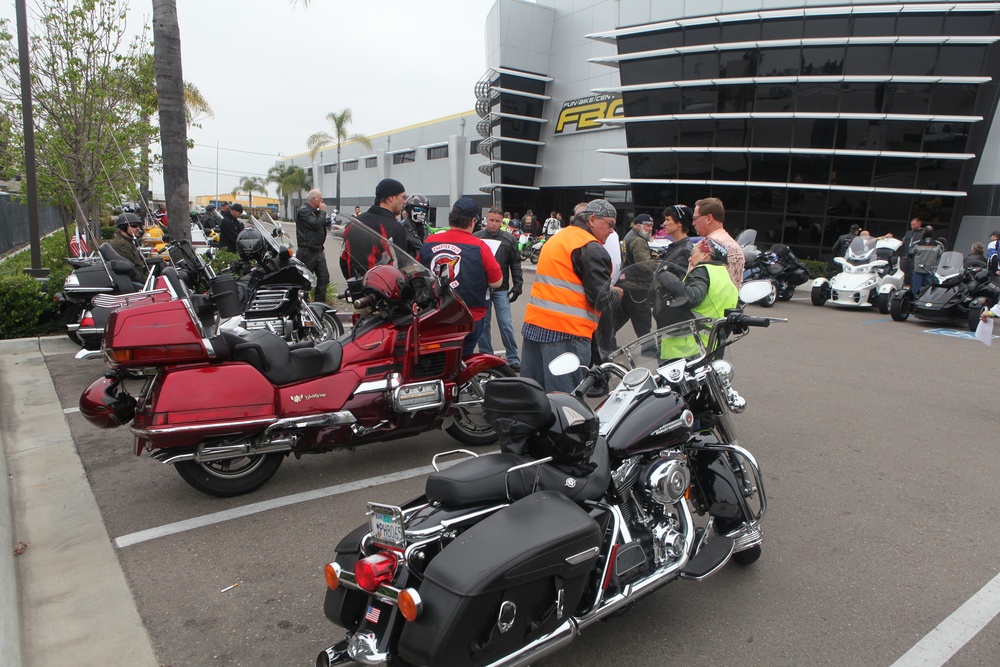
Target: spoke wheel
[(230, 477), (470, 426), (769, 300), (329, 328)]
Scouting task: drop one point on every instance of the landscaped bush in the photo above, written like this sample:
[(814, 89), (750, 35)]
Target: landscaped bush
[(38, 308), (22, 303), (817, 267)]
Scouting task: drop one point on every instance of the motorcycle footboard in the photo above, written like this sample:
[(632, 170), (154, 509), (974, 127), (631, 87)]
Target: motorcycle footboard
[(509, 580)]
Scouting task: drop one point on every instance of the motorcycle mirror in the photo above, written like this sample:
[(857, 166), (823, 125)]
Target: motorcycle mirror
[(564, 364), (754, 290)]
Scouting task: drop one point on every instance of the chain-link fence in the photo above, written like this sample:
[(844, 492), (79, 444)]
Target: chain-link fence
[(14, 231)]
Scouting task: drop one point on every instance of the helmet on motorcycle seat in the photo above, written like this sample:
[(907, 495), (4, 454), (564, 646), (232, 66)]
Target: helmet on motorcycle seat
[(250, 245), (385, 281), (573, 433), (126, 219), (417, 205), (103, 405)]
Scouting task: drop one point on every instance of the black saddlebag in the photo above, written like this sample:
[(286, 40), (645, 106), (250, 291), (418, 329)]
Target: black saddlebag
[(527, 565), (346, 606)]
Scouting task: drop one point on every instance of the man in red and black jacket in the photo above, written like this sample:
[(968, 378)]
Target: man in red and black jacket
[(471, 265), (363, 251)]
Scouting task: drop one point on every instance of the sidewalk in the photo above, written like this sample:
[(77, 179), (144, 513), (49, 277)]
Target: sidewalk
[(65, 597)]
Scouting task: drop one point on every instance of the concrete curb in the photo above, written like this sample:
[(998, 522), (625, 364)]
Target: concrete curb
[(70, 590)]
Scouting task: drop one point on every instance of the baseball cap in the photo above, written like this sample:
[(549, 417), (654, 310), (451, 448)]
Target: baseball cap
[(643, 219), (236, 207), (467, 207)]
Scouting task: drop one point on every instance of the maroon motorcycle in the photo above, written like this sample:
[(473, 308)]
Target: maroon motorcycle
[(226, 407)]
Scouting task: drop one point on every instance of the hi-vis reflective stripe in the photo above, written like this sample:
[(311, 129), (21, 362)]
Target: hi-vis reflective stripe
[(558, 282), (563, 309)]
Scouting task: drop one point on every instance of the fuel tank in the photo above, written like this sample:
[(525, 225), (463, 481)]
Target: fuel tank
[(659, 420)]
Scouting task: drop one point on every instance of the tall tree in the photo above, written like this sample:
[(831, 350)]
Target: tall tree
[(173, 121), (89, 88), (250, 185), (289, 179), (339, 121)]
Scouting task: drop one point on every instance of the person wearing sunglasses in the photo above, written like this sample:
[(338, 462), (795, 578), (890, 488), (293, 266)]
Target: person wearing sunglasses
[(128, 228)]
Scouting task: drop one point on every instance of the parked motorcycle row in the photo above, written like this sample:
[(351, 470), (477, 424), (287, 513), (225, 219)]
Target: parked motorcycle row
[(506, 557)]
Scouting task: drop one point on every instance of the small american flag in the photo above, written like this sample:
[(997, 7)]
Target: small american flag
[(372, 614)]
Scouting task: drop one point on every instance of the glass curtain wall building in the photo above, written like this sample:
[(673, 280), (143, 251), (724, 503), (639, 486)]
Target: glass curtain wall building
[(806, 120)]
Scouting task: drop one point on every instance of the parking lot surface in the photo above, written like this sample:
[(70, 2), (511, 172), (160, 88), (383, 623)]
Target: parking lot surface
[(877, 441)]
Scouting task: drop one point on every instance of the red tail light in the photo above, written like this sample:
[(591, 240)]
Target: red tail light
[(87, 321), (372, 572), (157, 354)]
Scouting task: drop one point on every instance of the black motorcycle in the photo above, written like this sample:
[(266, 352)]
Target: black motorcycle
[(956, 293), (779, 266), (273, 288), (508, 556), (104, 272), (191, 269)]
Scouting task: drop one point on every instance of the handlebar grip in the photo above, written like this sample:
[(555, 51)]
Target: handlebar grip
[(364, 302), (749, 321), (586, 385)]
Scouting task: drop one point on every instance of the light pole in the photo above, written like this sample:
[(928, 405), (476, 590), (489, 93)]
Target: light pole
[(31, 184)]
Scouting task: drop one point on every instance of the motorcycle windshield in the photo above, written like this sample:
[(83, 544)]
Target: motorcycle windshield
[(746, 237), (369, 249), (950, 264), (861, 250), (653, 321)]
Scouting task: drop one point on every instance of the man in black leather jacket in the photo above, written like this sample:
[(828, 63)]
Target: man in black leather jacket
[(505, 251), (361, 251), (311, 225), (230, 227)]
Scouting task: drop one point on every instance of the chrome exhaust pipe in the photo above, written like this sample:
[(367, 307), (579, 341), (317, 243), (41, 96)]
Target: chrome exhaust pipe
[(223, 452), (541, 647), (334, 655)]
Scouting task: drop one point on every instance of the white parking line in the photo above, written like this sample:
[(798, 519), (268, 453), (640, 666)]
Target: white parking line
[(67, 411), (254, 508), (954, 632)]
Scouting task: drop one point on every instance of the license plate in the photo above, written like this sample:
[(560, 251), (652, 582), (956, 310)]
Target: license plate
[(386, 523)]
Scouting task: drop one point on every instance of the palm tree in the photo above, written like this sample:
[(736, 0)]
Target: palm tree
[(289, 179), (339, 121), (250, 185), (173, 122)]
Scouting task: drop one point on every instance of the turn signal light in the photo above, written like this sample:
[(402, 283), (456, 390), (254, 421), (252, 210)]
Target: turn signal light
[(409, 603), (331, 572), (372, 572)]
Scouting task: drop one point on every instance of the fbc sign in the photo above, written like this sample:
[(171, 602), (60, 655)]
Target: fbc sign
[(586, 113)]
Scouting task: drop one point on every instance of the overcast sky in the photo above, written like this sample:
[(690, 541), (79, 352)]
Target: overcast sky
[(272, 71)]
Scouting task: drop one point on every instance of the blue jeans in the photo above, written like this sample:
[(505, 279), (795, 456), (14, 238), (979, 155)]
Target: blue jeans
[(469, 343), (920, 280), (500, 299), (536, 357)]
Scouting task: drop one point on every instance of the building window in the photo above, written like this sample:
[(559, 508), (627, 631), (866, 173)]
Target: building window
[(437, 152), (371, 162), (405, 156), (351, 166), (474, 146), (330, 168)]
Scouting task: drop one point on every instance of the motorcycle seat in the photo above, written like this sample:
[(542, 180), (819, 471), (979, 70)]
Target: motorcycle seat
[(281, 364), (484, 480)]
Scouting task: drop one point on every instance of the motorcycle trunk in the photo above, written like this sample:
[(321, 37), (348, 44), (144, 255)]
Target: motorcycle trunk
[(505, 582)]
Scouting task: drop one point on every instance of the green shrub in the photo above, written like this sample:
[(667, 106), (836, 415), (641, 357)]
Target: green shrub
[(223, 260), (107, 233), (817, 267), (47, 319), (23, 304)]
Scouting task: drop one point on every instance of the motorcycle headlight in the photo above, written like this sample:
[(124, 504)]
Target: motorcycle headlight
[(870, 282)]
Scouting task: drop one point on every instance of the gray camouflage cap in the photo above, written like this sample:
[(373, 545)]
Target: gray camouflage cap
[(601, 208)]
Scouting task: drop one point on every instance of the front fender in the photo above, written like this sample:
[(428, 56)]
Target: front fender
[(476, 364), (819, 282), (321, 308), (887, 288)]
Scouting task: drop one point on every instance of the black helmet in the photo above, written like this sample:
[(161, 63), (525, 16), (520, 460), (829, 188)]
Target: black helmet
[(573, 433), (670, 289), (127, 219), (418, 205), (250, 245)]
